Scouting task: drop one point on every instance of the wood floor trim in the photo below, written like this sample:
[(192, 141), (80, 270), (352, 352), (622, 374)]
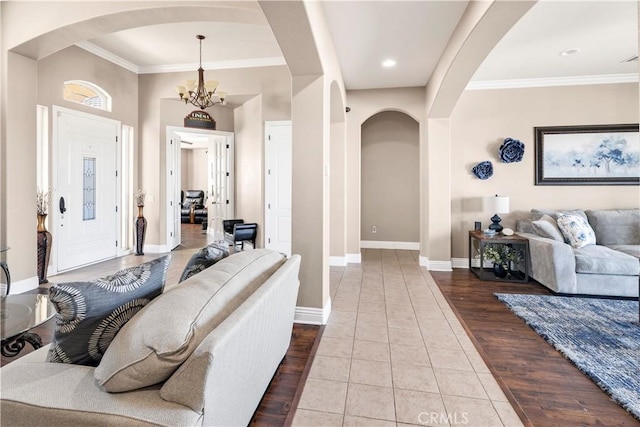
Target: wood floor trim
[(303, 378)]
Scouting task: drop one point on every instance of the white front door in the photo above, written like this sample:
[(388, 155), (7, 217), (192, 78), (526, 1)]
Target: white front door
[(278, 186), (84, 203)]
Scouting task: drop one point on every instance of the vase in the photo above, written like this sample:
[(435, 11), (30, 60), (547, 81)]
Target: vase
[(499, 270), (141, 229), (44, 249)]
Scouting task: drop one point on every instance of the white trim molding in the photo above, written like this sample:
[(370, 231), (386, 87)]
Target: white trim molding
[(354, 258), (338, 261), (440, 266), (423, 261), (460, 262), (382, 244), (553, 81), (156, 249), (174, 68), (312, 315), (25, 285)]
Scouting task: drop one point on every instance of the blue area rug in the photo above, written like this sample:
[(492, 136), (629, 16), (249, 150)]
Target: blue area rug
[(600, 336)]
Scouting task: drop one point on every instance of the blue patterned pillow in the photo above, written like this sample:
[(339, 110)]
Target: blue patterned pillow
[(576, 231), (205, 258), (91, 313)]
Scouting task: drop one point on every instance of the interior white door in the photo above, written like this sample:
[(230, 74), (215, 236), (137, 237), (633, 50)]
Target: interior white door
[(85, 202), (278, 186), (174, 235), (220, 183)]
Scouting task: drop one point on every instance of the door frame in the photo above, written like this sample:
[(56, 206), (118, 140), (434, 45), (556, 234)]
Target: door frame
[(56, 110), (176, 155)]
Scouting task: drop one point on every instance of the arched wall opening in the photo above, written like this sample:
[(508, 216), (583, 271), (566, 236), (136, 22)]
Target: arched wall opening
[(390, 181)]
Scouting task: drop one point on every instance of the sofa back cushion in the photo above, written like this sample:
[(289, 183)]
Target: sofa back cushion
[(547, 227), (161, 336), (537, 214), (616, 227)]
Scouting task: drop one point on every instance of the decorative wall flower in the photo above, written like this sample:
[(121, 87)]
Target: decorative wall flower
[(483, 170), (511, 150)]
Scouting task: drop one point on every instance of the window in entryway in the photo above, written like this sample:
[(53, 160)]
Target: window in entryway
[(87, 93)]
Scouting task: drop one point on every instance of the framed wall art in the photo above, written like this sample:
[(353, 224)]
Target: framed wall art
[(587, 155)]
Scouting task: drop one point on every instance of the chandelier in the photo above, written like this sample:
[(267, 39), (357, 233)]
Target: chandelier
[(203, 94)]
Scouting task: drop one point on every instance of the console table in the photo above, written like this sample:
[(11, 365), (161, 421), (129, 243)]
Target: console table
[(18, 315)]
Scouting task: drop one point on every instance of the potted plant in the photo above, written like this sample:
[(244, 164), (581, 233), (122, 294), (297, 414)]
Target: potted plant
[(502, 256)]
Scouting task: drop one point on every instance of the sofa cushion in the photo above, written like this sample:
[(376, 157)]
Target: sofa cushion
[(616, 227), (205, 258), (576, 230), (163, 335), (547, 227), (633, 250), (597, 259), (524, 226), (91, 313), (536, 214)]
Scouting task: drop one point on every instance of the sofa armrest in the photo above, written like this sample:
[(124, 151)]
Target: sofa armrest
[(553, 263), (229, 372)]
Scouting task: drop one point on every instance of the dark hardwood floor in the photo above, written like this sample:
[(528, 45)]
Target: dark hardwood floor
[(544, 387), (286, 385)]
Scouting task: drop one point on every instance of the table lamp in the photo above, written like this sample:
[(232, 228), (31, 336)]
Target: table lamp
[(500, 205)]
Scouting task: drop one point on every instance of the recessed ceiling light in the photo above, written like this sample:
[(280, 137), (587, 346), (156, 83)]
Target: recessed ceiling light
[(389, 63), (569, 52)]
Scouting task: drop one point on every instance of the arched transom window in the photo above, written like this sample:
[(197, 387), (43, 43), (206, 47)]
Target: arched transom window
[(87, 93)]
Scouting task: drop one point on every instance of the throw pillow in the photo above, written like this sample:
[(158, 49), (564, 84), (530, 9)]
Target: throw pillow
[(205, 258), (547, 227), (91, 313), (576, 231), (161, 337)]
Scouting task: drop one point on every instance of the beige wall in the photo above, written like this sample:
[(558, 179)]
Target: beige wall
[(481, 121), (194, 164), (390, 178), (249, 172)]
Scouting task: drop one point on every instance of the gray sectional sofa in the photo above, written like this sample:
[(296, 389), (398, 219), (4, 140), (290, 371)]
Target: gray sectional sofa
[(218, 338), (611, 267)]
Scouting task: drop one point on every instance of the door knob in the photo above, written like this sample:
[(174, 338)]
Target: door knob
[(63, 209)]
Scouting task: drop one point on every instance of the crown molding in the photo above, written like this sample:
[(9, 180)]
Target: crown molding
[(217, 65), (176, 68), (105, 54), (553, 81)]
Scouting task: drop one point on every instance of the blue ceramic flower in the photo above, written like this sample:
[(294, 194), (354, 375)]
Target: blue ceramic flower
[(512, 150), (483, 170)]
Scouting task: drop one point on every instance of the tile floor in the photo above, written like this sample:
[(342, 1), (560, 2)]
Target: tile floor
[(394, 354)]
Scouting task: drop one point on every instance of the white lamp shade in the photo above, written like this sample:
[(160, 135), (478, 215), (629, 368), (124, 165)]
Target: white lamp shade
[(501, 204)]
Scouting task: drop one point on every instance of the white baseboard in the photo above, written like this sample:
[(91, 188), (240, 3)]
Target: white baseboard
[(460, 262), (312, 315), (338, 261), (156, 249), (440, 266), (382, 244), (354, 258), (423, 261), (25, 285)]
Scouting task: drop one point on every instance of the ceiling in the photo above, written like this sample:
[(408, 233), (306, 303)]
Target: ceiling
[(413, 33)]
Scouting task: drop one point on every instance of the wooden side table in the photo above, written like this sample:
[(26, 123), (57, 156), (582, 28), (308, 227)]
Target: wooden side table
[(477, 244)]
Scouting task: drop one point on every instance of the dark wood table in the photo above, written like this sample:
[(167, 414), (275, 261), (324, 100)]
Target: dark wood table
[(477, 244)]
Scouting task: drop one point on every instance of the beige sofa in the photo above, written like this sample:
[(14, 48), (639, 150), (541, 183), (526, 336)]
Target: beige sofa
[(218, 382)]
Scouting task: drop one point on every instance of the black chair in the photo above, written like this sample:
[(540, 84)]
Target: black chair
[(193, 209), (237, 232)]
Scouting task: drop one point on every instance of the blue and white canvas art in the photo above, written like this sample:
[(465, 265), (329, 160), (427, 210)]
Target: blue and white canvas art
[(573, 156)]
